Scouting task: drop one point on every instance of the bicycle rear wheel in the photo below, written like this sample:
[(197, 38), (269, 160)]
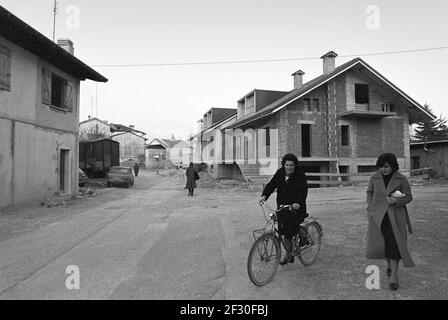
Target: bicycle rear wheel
[(308, 254), (263, 259)]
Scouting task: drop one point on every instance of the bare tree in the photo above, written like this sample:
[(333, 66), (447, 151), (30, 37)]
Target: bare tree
[(93, 133)]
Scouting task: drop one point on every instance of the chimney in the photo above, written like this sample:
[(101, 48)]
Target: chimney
[(67, 45), (329, 62), (132, 126), (298, 79)]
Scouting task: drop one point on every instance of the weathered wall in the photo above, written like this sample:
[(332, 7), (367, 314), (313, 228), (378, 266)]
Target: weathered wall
[(20, 102), (36, 162), (6, 194), (131, 145)]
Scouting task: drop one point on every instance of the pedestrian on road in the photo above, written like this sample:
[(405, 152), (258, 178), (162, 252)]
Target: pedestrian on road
[(388, 192), (191, 179), (136, 169), (292, 189)]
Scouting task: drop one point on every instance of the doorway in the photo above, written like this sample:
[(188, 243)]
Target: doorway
[(64, 172), (306, 140)]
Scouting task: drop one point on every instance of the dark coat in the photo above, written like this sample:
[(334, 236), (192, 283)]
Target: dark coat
[(191, 183), (398, 216), (295, 190)]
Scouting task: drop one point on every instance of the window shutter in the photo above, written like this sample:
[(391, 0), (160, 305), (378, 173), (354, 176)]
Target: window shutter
[(46, 86), (5, 68), (69, 95)]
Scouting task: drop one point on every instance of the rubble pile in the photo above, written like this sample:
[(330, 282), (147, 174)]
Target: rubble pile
[(49, 203), (86, 193)]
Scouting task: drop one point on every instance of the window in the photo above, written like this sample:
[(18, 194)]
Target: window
[(387, 107), (57, 91), (364, 169), (307, 104), (5, 68), (361, 93), (316, 106), (345, 136), (268, 142), (344, 170), (415, 162)]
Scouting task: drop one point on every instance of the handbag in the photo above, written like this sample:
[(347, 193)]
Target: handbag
[(196, 176)]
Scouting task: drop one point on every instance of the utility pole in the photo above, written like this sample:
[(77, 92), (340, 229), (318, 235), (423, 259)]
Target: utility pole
[(55, 12)]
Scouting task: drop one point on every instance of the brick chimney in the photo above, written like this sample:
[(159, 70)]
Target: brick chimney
[(67, 45), (298, 78), (329, 62)]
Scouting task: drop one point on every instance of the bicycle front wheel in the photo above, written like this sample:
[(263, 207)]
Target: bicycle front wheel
[(264, 257), (309, 253)]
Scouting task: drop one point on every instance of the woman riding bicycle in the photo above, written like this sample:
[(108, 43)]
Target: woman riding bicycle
[(292, 189)]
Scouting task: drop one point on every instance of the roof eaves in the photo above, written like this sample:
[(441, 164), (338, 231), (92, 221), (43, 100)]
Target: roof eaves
[(22, 34)]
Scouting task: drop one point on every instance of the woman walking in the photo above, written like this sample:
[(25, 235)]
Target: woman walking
[(388, 193), (191, 181)]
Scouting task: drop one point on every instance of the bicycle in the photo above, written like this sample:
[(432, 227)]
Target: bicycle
[(264, 256)]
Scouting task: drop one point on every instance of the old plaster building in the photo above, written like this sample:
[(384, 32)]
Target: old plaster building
[(39, 113)]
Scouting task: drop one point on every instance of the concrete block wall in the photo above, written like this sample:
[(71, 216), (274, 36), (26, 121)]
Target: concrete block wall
[(381, 135)]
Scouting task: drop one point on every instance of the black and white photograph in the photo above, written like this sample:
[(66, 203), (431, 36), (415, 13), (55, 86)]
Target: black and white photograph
[(223, 155)]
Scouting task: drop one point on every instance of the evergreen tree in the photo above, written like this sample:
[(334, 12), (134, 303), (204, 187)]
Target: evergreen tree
[(431, 130)]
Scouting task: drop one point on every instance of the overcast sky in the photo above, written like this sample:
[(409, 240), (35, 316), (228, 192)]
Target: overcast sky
[(165, 100)]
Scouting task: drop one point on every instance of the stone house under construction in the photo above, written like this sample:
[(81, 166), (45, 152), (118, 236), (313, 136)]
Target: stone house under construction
[(336, 123)]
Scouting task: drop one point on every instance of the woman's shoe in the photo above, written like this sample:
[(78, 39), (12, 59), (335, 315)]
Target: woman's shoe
[(286, 260), (388, 272), (393, 286)]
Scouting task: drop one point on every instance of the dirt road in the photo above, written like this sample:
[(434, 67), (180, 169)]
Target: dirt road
[(154, 242)]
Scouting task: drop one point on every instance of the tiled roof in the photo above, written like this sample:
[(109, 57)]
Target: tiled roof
[(313, 84)]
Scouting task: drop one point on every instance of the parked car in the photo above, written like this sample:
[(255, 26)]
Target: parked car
[(120, 176), (82, 178)]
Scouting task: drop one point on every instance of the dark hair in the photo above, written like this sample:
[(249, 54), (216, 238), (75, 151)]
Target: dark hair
[(389, 158), (290, 157), (191, 164)]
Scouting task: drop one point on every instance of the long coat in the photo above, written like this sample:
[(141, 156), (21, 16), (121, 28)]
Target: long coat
[(191, 183), (294, 190), (398, 216)]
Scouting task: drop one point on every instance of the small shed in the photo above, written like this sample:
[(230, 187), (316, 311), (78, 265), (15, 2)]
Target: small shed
[(433, 154)]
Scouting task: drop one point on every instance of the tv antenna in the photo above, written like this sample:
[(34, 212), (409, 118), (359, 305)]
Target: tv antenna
[(55, 12)]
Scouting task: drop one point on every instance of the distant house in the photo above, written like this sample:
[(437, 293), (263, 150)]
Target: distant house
[(39, 113), (94, 126), (338, 122), (167, 153), (132, 141), (202, 142), (132, 145), (433, 155)]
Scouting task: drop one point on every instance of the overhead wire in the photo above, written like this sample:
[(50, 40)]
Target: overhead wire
[(264, 60)]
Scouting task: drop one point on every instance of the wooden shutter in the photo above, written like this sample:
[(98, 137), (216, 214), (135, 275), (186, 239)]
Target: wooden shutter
[(69, 93), (46, 86), (5, 68)]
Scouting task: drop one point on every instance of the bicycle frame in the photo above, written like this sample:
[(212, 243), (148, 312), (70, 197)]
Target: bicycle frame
[(271, 227)]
